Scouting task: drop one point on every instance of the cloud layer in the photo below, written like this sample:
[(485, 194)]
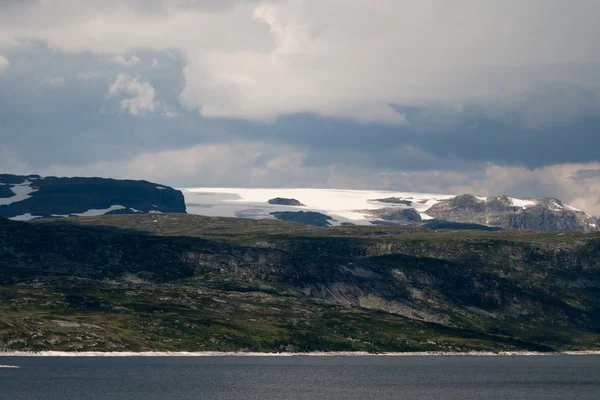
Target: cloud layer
[(257, 60), (472, 95)]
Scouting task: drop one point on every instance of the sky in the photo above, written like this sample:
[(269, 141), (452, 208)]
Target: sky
[(468, 96)]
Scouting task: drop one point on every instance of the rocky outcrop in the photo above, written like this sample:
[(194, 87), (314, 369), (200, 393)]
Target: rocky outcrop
[(285, 202), (401, 216), (547, 214), (32, 196), (305, 217)]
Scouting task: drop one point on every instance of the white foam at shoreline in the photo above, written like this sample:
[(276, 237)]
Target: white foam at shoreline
[(253, 354)]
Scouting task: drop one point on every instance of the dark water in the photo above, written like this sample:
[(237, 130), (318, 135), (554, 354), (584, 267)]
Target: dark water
[(147, 378)]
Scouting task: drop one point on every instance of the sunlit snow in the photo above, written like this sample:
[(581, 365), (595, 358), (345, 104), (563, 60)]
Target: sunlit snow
[(522, 203), (25, 217), (342, 205)]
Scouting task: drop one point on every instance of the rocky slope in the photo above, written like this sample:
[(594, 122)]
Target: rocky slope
[(545, 214), (186, 282), (30, 197)]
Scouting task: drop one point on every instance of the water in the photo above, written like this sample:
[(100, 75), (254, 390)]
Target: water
[(335, 378)]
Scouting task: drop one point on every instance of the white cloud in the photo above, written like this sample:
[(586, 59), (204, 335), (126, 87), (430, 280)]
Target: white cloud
[(141, 96), (259, 59), (128, 62), (4, 63), (155, 63)]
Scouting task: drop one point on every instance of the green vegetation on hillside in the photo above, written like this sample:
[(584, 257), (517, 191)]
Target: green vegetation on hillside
[(184, 282)]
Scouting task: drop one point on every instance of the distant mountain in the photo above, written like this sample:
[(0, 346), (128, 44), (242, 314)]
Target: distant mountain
[(24, 198), (367, 207)]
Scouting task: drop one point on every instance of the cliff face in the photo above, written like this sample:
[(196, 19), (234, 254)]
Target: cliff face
[(31, 197), (540, 214)]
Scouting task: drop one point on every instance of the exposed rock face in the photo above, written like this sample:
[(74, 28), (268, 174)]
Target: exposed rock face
[(546, 214), (31, 197), (285, 202), (401, 216), (305, 217)]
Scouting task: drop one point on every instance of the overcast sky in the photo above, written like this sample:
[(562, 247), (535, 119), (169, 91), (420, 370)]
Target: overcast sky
[(484, 96)]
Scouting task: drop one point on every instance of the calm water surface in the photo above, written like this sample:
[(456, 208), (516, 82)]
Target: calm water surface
[(335, 378)]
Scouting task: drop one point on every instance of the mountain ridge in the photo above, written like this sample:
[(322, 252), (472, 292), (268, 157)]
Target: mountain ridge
[(28, 197)]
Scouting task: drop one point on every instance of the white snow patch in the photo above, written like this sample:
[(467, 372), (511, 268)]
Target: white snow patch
[(161, 188), (425, 217), (25, 217), (21, 191), (155, 212), (554, 206), (134, 210), (571, 208), (522, 203), (592, 225), (97, 213), (60, 215), (342, 205)]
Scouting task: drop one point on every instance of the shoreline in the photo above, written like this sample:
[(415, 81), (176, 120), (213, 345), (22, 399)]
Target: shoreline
[(307, 354)]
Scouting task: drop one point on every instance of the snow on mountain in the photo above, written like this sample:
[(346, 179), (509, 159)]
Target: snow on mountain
[(374, 207), (99, 212), (342, 205), (25, 217), (21, 192)]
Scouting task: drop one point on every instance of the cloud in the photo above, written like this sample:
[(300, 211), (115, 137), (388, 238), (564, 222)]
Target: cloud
[(398, 94), (261, 59), (141, 96), (4, 63), (128, 62)]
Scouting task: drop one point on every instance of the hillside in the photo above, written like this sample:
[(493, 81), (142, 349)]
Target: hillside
[(30, 197), (187, 282)]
